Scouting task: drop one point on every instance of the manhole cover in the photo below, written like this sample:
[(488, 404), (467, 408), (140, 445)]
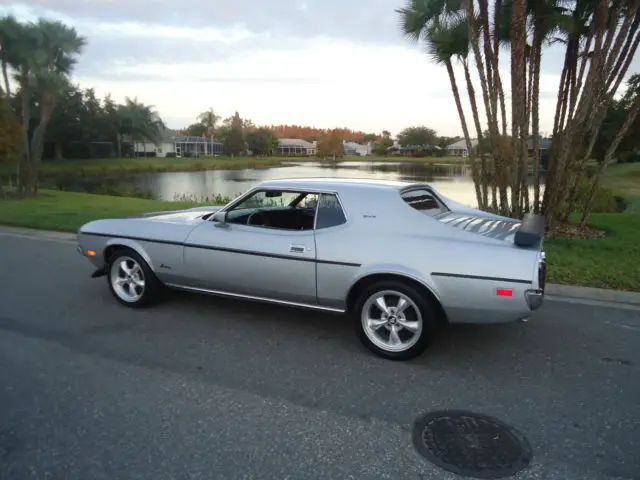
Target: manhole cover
[(471, 444)]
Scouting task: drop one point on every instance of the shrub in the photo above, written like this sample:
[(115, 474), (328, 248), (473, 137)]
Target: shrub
[(606, 201)]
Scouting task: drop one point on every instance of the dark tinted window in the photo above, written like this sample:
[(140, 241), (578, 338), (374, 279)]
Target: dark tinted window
[(330, 212), (423, 200)]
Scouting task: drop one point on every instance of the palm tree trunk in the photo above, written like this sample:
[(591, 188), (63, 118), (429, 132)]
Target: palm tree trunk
[(465, 129), (588, 112), (518, 99), (629, 44), (25, 180), (5, 75), (536, 60), (483, 177), (37, 139)]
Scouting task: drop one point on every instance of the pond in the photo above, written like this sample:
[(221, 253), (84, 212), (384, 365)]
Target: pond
[(453, 181)]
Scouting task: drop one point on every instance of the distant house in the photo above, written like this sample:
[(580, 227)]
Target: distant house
[(459, 149), (292, 147), (353, 148), (178, 145), (544, 145)]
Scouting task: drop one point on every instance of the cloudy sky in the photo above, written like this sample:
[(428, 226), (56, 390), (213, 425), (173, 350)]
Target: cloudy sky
[(326, 63)]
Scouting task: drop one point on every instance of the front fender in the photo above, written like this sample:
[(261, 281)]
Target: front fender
[(133, 245)]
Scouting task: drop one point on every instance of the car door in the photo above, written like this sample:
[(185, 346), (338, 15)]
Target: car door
[(252, 261)]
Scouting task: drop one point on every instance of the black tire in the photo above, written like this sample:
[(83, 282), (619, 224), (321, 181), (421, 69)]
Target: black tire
[(429, 318), (150, 293)]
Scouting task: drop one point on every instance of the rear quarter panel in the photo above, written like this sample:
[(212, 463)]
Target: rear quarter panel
[(462, 269)]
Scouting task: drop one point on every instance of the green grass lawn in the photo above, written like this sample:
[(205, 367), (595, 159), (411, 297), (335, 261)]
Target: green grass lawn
[(66, 211), (103, 166), (611, 262)]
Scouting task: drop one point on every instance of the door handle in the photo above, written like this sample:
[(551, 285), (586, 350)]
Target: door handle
[(296, 248)]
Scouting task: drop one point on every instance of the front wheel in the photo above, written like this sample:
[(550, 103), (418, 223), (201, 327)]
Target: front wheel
[(131, 280), (394, 321)]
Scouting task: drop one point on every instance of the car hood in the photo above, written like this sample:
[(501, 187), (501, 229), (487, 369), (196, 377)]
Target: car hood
[(189, 215)]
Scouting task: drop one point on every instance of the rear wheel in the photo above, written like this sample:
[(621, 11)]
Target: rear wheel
[(394, 320), (131, 280)]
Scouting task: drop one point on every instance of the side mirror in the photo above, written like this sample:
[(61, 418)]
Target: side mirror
[(221, 219)]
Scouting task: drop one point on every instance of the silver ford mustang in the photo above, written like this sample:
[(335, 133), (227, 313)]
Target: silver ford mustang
[(399, 257)]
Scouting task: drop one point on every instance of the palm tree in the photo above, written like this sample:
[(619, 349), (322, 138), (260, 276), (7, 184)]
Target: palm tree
[(209, 119), (42, 55), (58, 47), (434, 23), (139, 121), (9, 33)]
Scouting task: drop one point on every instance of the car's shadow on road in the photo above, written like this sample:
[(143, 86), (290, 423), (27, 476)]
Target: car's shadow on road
[(451, 344)]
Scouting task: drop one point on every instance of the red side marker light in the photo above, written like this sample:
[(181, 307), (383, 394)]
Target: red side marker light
[(503, 292)]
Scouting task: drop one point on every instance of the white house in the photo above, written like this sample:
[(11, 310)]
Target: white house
[(178, 144), (353, 148), (459, 149), (292, 147)]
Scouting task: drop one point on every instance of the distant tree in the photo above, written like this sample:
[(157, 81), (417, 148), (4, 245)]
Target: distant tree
[(262, 141), (141, 122), (331, 145), (195, 130), (234, 142), (444, 142), (382, 144), (42, 55), (209, 120), (66, 124), (615, 118), (10, 133), (312, 133), (419, 135), (111, 125)]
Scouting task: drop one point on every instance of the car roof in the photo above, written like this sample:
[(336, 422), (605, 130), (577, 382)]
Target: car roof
[(335, 184)]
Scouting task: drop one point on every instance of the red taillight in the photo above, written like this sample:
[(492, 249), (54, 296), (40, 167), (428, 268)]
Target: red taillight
[(503, 292)]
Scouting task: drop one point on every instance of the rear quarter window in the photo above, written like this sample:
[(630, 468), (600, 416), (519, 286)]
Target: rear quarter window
[(330, 213), (424, 201)]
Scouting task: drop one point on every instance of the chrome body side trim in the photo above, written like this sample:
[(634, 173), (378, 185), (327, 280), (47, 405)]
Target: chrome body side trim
[(253, 298)]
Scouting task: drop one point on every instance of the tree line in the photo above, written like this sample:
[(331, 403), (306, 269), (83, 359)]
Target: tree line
[(599, 38), (329, 141)]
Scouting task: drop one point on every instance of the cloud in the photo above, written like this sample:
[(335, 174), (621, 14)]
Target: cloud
[(360, 20)]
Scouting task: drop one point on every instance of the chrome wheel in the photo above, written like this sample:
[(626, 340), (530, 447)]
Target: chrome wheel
[(127, 279), (391, 321)]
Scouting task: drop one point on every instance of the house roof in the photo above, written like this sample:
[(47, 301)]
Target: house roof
[(544, 144), (295, 142), (172, 136), (462, 144)]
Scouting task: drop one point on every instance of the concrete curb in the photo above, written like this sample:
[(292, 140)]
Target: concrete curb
[(37, 234), (590, 293), (556, 290)]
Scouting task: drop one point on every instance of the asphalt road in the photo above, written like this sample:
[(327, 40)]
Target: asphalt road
[(201, 387)]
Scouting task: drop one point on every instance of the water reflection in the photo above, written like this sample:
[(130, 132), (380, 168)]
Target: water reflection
[(453, 181)]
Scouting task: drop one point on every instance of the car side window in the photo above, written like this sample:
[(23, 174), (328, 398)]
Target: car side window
[(329, 213), (424, 201), (276, 209)]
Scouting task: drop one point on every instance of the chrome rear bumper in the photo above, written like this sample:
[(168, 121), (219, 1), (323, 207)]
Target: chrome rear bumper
[(535, 298)]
